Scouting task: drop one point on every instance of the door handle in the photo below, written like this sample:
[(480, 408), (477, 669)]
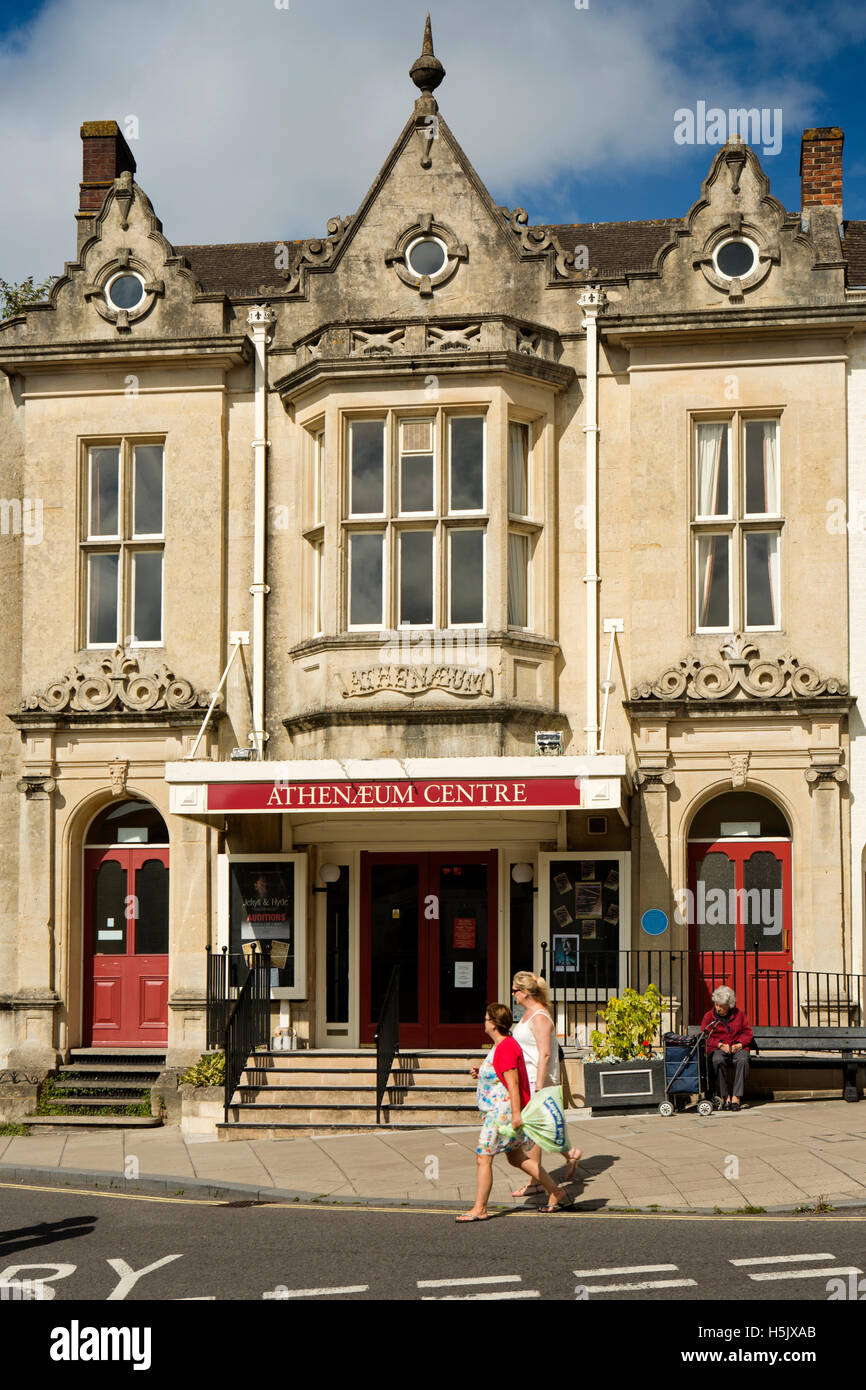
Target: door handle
[(785, 939)]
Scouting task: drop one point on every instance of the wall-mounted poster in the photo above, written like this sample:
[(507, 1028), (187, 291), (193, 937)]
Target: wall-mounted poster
[(587, 899), (263, 900), (464, 933), (566, 954)]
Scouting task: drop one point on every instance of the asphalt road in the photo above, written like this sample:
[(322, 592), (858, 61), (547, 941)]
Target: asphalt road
[(123, 1247)]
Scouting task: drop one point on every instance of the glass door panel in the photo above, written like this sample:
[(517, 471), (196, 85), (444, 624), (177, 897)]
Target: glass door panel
[(394, 902), (462, 892)]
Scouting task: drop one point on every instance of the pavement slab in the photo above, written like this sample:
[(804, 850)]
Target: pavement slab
[(101, 1152)]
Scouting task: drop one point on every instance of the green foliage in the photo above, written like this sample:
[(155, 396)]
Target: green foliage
[(14, 298), (51, 1097), (630, 1026), (209, 1070), (11, 1128)]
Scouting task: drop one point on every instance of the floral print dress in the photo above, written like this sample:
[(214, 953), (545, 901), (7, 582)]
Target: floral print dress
[(495, 1105)]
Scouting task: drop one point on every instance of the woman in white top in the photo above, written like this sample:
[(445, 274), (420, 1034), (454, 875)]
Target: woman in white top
[(537, 1037)]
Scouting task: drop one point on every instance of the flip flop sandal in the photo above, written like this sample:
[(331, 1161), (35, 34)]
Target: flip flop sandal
[(560, 1206), (467, 1220)]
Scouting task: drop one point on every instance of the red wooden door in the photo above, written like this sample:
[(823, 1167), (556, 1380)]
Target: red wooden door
[(126, 947), (740, 926), (435, 914)]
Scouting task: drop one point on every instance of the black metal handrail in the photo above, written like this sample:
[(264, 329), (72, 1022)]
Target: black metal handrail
[(772, 996), (387, 1038), (248, 1022)]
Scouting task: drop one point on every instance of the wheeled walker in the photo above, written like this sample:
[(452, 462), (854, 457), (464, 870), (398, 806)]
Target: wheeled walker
[(687, 1073)]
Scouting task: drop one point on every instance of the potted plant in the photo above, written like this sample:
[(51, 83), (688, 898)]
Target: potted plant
[(623, 1070)]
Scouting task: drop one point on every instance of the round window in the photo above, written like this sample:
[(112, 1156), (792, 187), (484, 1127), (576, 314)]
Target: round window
[(426, 257), (736, 259), (125, 292)]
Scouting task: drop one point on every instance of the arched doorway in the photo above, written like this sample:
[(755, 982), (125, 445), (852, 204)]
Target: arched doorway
[(126, 867), (740, 906)]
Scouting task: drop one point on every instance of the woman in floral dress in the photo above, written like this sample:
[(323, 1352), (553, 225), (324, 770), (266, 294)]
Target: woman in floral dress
[(503, 1090)]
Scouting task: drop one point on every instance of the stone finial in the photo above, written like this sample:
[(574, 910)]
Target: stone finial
[(427, 72)]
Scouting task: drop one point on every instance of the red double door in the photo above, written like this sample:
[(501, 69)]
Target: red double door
[(740, 927), (436, 916), (126, 947)]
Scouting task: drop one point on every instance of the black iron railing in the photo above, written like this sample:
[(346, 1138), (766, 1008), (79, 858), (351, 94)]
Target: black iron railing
[(248, 1022), (771, 995), (216, 1012), (387, 1038)]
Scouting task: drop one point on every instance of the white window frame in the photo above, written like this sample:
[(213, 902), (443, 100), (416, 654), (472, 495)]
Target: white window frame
[(299, 989), (623, 859), (351, 514), (430, 530), (382, 533), (125, 545)]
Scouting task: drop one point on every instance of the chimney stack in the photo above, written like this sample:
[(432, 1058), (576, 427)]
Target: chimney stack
[(821, 168), (106, 155)]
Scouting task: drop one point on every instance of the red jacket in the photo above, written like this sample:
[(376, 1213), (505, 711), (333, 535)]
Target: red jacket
[(733, 1028)]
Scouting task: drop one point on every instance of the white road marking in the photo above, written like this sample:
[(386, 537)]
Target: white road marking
[(644, 1284), (454, 1297), (808, 1273), (781, 1259), (455, 1283), (315, 1293), (625, 1269)]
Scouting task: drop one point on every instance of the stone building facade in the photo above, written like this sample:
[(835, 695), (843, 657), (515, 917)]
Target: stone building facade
[(340, 539)]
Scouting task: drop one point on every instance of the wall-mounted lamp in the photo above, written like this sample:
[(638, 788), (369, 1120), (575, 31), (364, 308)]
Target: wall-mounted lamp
[(328, 873), (522, 873)]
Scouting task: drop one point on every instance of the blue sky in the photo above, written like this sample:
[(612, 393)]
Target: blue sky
[(258, 122)]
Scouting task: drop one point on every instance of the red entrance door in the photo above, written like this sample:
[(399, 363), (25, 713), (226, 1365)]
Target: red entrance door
[(740, 926), (435, 915), (126, 947)]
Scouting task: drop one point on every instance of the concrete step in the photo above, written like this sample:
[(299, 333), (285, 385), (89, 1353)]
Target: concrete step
[(243, 1130)]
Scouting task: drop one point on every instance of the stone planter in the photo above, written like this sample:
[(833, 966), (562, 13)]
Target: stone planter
[(201, 1109), (622, 1085)]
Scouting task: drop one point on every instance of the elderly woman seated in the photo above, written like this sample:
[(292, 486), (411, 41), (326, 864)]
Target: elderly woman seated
[(728, 1042)]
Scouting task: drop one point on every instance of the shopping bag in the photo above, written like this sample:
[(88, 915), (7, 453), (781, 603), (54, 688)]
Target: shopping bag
[(543, 1121)]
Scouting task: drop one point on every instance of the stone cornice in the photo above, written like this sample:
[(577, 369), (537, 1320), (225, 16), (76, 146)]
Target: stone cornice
[(417, 367), (223, 352)]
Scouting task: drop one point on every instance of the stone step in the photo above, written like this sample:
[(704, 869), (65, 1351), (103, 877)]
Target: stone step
[(98, 1100), (418, 1116), (315, 1060), (154, 1055), (353, 1080), (109, 1069), (94, 1121), (77, 1083), (355, 1095)]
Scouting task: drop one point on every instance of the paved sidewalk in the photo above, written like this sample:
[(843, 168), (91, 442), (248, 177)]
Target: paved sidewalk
[(775, 1156)]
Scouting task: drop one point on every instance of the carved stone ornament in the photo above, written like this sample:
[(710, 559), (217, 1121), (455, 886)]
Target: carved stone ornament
[(416, 680), (767, 255), (317, 252), (537, 241), (117, 774), (426, 225), (120, 687), (743, 676), (653, 777), (123, 259), (739, 768)]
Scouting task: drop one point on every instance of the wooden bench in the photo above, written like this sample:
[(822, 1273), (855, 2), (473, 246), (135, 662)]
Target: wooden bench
[(827, 1046)]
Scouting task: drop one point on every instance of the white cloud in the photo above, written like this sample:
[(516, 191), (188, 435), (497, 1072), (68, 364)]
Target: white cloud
[(258, 122)]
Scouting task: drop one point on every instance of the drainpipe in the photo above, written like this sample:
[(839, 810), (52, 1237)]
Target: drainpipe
[(591, 301), (259, 319)]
